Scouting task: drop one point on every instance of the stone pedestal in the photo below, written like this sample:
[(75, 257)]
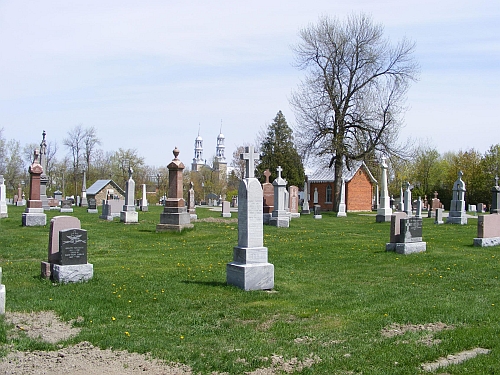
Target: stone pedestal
[(129, 215), (175, 216), (34, 217), (72, 273)]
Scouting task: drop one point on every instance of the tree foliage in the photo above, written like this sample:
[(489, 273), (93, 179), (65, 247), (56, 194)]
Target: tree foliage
[(278, 149), (351, 102)]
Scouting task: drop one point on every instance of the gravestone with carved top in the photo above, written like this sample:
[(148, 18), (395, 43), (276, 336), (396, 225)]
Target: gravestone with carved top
[(280, 217), (34, 215)]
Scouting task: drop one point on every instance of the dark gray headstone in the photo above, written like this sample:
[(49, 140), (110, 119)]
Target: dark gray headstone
[(92, 204), (411, 230), (65, 203), (72, 247)]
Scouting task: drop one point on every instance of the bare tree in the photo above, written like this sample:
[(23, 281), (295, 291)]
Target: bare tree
[(90, 142), (75, 143), (349, 106)]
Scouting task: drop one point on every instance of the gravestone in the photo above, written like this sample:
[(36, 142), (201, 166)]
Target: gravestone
[(317, 212), (44, 179), (342, 208), (305, 205), (457, 213), (191, 203), (92, 206), (438, 216), (84, 201), (315, 196), (20, 196), (435, 204), (2, 295), (488, 230), (418, 212), (58, 196), (407, 208), (226, 209), (128, 214), (34, 215), (268, 198), (495, 198), (234, 201), (66, 206), (406, 234), (472, 208), (175, 217), (67, 254), (480, 207), (144, 200), (3, 199), (111, 208), (250, 269), (294, 201), (384, 211), (280, 217)]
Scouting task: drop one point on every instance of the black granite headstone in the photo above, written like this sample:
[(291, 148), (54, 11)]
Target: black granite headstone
[(65, 203), (92, 203), (72, 247)]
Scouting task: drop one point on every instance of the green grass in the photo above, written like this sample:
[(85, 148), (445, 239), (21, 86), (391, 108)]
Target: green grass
[(335, 288)]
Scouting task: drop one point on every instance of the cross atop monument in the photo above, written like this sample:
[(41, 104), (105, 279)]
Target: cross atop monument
[(279, 169), (249, 156), (267, 173), (496, 180)]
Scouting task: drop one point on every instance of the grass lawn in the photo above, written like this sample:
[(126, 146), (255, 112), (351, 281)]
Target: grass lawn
[(336, 289)]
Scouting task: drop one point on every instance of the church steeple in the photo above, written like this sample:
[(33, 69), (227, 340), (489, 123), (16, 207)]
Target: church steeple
[(219, 151), (198, 152)]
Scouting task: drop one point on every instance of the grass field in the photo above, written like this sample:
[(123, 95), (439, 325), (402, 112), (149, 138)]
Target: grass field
[(336, 290)]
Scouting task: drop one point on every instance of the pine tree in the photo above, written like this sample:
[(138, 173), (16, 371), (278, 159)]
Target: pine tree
[(278, 149)]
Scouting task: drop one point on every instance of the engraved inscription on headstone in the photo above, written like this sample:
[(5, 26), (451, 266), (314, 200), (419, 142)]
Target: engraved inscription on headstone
[(92, 203), (72, 247), (411, 230)]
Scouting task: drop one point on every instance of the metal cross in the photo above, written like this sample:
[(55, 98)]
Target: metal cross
[(249, 156)]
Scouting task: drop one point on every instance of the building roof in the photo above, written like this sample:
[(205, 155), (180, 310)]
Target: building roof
[(101, 184), (328, 174)]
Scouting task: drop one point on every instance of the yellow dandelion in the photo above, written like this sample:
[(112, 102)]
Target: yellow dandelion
[(127, 334), (113, 318)]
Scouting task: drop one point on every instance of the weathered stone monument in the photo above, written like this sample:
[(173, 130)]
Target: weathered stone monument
[(280, 217), (226, 209), (384, 211), (268, 198), (111, 208), (83, 201), (305, 205), (342, 209), (250, 269), (435, 204), (488, 226), (67, 255), (129, 215), (2, 295), (144, 200), (20, 196), (407, 208), (92, 206), (66, 206), (3, 199), (406, 234), (293, 192), (44, 179), (175, 217), (438, 215), (34, 215), (418, 211), (191, 202), (457, 213)]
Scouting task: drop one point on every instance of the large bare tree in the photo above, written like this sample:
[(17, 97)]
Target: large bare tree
[(349, 106)]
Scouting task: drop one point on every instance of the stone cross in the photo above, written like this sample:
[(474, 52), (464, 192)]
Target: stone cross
[(267, 173), (279, 169), (249, 156), (496, 180)]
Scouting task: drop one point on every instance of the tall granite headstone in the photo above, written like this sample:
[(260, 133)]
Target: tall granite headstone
[(192, 202), (128, 214), (457, 213), (342, 207), (34, 215), (293, 192), (407, 208), (268, 198), (305, 205), (3, 199), (44, 179), (384, 211), (495, 198), (280, 217), (20, 196), (175, 216), (83, 201), (250, 269), (144, 200)]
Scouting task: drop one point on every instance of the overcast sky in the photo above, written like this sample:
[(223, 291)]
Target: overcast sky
[(148, 74)]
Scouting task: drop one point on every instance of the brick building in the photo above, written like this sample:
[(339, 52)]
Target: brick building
[(359, 188)]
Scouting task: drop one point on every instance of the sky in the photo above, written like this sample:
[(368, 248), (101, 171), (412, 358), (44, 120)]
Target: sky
[(150, 75)]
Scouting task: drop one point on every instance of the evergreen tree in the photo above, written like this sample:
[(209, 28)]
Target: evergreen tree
[(278, 149)]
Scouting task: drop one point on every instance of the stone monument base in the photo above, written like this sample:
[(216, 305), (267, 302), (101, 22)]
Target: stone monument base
[(406, 247), (266, 217), (129, 217), (193, 217), (2, 299), (66, 209), (253, 276), (456, 219), (92, 211), (144, 208), (34, 219), (72, 273), (280, 221), (294, 215), (383, 218), (174, 219), (318, 216), (486, 242), (4, 214), (226, 214)]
